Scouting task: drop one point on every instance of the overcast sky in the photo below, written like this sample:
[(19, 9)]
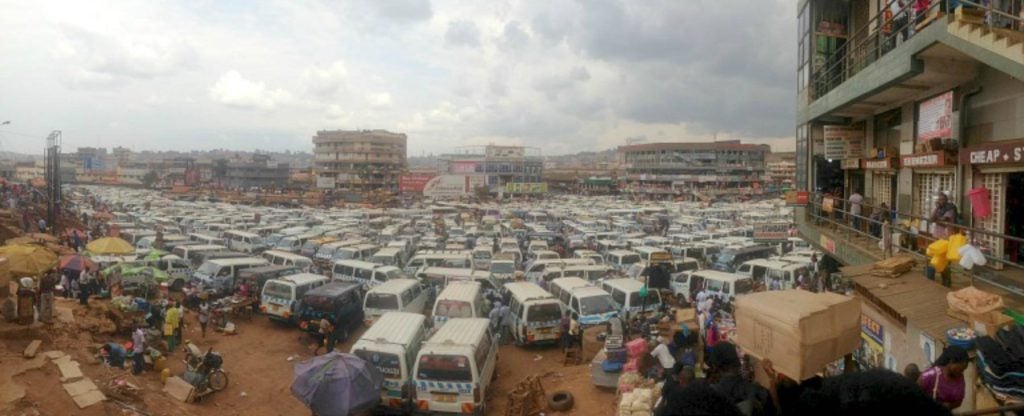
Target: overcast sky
[(563, 75)]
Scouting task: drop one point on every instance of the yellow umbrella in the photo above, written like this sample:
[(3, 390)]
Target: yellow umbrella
[(110, 245), (28, 260)]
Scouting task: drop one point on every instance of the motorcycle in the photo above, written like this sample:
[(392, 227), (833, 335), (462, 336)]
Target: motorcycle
[(204, 370)]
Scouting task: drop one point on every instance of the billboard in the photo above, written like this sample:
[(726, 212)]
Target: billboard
[(934, 117), (463, 167), (843, 142), (325, 182), (526, 188), (453, 186), (414, 182), (505, 152)]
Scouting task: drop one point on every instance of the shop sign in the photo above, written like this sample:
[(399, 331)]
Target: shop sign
[(924, 160), (934, 117), (414, 182), (871, 353), (843, 142), (463, 167), (875, 164), (828, 244), (849, 164), (797, 198), (526, 188), (994, 153)]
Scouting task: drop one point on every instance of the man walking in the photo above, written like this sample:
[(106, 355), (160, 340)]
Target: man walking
[(138, 350), (856, 200), (47, 284), (171, 322), (204, 315)]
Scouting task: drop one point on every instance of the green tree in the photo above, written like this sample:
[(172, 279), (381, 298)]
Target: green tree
[(150, 178)]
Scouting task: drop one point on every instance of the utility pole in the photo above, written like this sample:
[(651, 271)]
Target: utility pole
[(52, 167)]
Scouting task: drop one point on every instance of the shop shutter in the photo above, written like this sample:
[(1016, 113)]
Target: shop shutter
[(996, 185), (927, 185), (881, 189)]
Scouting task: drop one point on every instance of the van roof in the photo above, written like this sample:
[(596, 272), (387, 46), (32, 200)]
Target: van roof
[(526, 291), (235, 261), (625, 284), (387, 251), (460, 290), (394, 285), (778, 264), (241, 233), (459, 332), (393, 328), (718, 275), (648, 250), (357, 263), (285, 255), (569, 283), (302, 278), (203, 247), (621, 253)]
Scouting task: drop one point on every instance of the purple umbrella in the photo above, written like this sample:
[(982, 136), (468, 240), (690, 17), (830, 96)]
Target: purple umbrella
[(337, 384)]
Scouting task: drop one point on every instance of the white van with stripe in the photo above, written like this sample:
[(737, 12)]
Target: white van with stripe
[(279, 297), (391, 345), (534, 312), (454, 368), (626, 295), (369, 274), (458, 300), (591, 303), (404, 295)]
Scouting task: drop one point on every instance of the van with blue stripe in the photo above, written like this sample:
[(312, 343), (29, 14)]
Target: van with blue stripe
[(460, 299), (534, 312), (455, 367), (280, 297), (391, 345), (592, 304)]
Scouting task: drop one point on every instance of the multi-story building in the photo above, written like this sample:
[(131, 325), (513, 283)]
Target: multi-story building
[(726, 167), (92, 158), (26, 171), (358, 161), (900, 105), (505, 169), (260, 172), (780, 171)]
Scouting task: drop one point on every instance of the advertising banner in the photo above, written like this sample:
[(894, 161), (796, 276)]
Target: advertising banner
[(463, 167), (526, 188), (934, 117), (414, 182), (843, 142)]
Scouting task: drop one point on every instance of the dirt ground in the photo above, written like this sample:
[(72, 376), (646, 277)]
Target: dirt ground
[(260, 374)]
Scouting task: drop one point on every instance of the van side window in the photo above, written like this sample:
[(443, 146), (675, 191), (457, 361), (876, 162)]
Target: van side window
[(364, 274), (407, 296), (482, 351), (619, 297), (575, 304), (564, 297)]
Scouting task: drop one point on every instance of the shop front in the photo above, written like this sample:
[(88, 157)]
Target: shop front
[(998, 169), (853, 176), (883, 181)]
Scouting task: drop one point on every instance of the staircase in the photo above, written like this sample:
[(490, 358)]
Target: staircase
[(968, 25)]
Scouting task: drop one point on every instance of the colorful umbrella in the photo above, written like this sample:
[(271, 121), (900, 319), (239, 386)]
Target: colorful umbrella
[(28, 260), (76, 262), (154, 255), (337, 384), (155, 273), (110, 245)]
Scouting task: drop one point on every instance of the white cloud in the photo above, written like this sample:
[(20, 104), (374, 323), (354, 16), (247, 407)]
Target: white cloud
[(325, 81), (235, 91), (379, 100)]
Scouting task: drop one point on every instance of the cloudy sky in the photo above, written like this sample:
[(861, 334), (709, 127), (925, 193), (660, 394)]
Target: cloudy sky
[(563, 75)]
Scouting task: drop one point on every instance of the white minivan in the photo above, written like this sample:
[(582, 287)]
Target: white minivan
[(592, 304), (391, 345), (626, 295), (454, 368), (280, 297), (284, 258), (243, 241), (766, 271), (369, 274), (622, 260), (686, 285), (534, 312), (404, 295), (459, 299)]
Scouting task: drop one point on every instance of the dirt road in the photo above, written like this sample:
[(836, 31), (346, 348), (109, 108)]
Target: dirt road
[(260, 373)]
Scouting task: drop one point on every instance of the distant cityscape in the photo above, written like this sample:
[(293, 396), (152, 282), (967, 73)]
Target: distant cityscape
[(356, 163)]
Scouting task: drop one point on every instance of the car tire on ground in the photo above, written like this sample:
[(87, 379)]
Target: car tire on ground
[(560, 401)]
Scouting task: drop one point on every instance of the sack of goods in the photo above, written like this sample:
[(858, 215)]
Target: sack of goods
[(639, 402), (800, 331), (636, 347)]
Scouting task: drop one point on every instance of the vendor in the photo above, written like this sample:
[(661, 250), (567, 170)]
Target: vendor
[(944, 382), (113, 354)]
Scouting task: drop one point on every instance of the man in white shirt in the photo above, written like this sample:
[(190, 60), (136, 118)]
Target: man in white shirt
[(665, 358), (856, 200)]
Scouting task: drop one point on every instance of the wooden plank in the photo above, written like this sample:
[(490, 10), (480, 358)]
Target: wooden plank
[(178, 388), (89, 398), (33, 347)]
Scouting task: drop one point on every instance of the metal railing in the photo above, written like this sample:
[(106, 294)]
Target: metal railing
[(884, 32), (842, 221)]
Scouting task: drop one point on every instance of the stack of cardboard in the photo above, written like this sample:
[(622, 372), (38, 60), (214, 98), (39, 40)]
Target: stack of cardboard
[(893, 267), (800, 331)]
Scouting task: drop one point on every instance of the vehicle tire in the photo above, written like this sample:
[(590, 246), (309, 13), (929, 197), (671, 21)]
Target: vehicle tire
[(560, 401), (177, 285), (218, 380)]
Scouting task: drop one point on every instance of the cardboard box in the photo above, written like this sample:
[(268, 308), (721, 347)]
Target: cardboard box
[(989, 323), (801, 332)]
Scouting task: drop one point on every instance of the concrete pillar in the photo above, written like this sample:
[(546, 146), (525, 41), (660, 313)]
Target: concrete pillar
[(905, 177)]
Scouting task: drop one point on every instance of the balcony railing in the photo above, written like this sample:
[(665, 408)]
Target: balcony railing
[(873, 227)]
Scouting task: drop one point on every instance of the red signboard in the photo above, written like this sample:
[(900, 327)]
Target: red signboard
[(875, 164), (994, 153), (924, 160), (414, 182)]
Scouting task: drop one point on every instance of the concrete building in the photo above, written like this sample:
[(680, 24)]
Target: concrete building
[(780, 171), (358, 161), (92, 158), (900, 105), (505, 169), (718, 168), (259, 171), (26, 171)]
